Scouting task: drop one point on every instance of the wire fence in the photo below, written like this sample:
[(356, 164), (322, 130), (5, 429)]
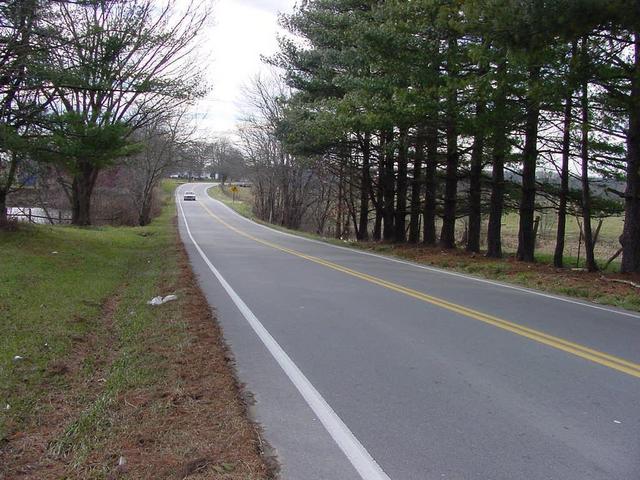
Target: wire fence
[(38, 215), (41, 216)]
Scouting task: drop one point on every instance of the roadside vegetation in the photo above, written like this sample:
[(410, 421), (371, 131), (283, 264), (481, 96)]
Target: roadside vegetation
[(452, 124), (75, 145), (96, 383), (241, 201), (605, 287)]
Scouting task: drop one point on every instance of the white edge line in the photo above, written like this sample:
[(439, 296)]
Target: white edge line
[(359, 457), (432, 269)]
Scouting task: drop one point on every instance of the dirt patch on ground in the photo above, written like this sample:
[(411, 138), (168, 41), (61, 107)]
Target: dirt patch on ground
[(192, 424), (28, 453), (196, 426)]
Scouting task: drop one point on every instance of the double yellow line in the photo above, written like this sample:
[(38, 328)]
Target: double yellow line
[(581, 351)]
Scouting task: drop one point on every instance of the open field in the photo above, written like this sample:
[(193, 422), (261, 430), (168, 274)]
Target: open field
[(95, 383), (606, 246)]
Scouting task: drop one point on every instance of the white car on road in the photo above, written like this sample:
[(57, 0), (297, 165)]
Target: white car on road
[(189, 196)]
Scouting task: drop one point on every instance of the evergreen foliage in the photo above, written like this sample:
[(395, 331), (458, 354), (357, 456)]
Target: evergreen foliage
[(467, 109)]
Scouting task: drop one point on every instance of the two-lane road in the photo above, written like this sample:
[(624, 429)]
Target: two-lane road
[(367, 367)]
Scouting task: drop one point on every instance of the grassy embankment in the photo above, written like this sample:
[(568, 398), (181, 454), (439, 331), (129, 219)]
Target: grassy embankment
[(107, 386), (542, 275), (241, 202)]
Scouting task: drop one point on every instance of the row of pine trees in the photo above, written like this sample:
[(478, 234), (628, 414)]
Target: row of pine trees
[(440, 109)]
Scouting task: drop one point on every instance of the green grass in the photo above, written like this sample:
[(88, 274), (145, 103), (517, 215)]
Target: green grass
[(610, 231), (572, 262), (53, 283), (605, 247), (242, 204)]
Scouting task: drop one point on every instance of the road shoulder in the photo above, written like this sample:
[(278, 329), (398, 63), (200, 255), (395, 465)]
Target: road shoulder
[(106, 385)]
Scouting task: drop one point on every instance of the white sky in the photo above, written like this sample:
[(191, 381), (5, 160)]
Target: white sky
[(242, 30)]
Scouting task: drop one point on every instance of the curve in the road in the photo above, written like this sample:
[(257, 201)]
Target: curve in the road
[(601, 358), (357, 454)]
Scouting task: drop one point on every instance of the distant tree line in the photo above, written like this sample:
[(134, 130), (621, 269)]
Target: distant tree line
[(91, 84), (444, 109)]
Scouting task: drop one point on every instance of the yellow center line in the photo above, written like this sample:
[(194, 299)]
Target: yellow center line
[(581, 351)]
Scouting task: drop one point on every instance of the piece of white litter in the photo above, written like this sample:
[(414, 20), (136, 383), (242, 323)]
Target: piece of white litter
[(169, 298), (160, 300), (155, 301), (122, 461), (54, 253), (7, 407), (17, 358), (617, 421)]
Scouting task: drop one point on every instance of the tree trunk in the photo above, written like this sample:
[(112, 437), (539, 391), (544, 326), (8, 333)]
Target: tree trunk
[(496, 207), (586, 194), (496, 203), (340, 201), (81, 191), (3, 208), (352, 209), (365, 185), (526, 239), (378, 201), (389, 188), (401, 199), (416, 187), (475, 187), (431, 185), (631, 232), (448, 232), (377, 225), (145, 213), (5, 188), (558, 256)]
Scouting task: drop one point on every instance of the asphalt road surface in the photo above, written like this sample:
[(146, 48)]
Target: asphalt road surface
[(366, 367)]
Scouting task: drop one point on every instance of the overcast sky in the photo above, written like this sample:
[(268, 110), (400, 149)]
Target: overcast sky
[(242, 31)]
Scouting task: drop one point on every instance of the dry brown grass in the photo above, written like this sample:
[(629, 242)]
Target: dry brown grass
[(596, 287), (195, 425), (27, 453)]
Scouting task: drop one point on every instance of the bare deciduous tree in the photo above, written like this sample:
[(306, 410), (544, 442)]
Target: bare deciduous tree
[(164, 139), (20, 47), (225, 160), (281, 182), (120, 66)]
